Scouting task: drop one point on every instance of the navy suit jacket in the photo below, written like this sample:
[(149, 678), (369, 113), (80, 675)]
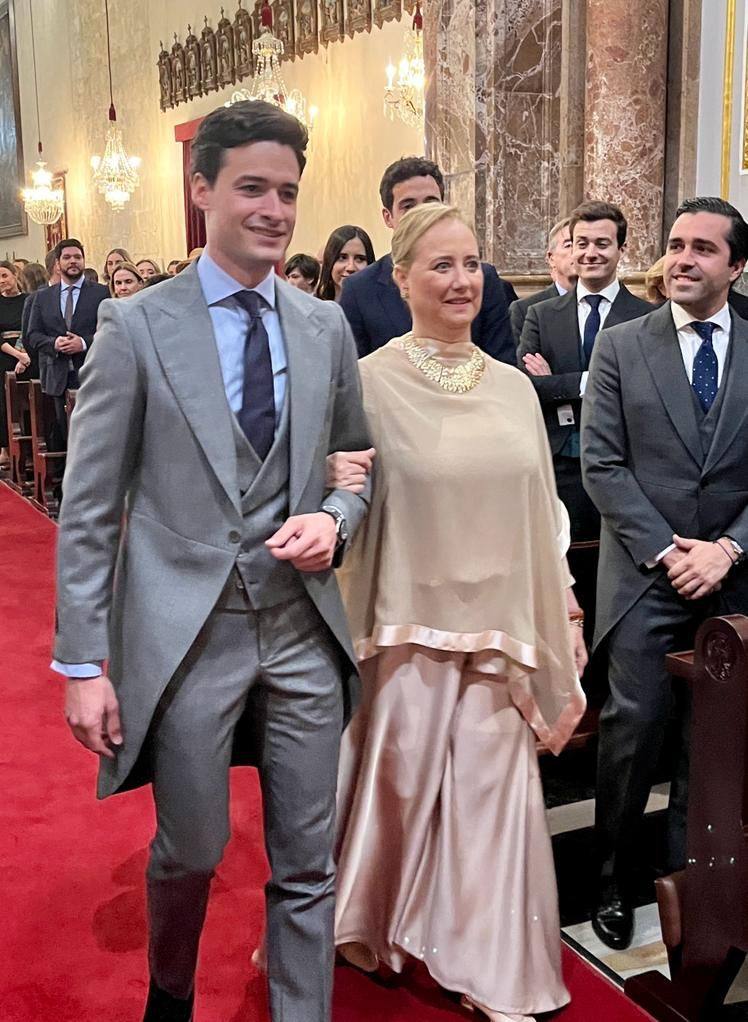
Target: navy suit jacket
[(46, 323), (376, 312)]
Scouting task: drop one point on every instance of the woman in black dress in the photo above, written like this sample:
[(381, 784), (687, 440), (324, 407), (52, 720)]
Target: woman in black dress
[(12, 301)]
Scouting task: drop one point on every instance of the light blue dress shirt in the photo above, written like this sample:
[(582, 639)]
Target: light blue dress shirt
[(230, 326), (64, 288)]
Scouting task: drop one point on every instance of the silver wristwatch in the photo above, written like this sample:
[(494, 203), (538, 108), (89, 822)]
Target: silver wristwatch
[(341, 529), (736, 549)]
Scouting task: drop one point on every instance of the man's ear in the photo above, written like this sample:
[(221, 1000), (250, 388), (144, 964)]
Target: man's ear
[(200, 191), (387, 217), (737, 269)]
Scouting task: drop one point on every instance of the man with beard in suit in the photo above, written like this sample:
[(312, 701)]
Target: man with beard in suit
[(665, 459), (557, 342)]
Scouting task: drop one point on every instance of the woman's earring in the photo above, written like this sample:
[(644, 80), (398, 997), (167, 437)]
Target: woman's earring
[(405, 293)]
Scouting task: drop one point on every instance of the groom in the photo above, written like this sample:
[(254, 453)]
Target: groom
[(199, 622)]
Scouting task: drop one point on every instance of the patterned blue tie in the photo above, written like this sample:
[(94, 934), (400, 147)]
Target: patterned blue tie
[(705, 366), (257, 414), (591, 326)]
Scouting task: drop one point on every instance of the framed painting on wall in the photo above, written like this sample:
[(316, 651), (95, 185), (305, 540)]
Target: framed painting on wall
[(12, 216)]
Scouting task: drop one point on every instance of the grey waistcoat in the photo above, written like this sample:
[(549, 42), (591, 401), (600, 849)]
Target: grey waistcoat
[(264, 491)]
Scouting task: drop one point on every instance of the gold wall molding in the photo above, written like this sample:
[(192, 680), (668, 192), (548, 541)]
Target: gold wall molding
[(727, 87)]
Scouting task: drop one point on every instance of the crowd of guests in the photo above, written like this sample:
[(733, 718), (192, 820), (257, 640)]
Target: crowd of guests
[(464, 618)]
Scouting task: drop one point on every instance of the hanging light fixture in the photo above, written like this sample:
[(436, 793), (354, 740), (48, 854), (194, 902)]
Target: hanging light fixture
[(115, 174), (268, 84), (404, 98), (42, 203)]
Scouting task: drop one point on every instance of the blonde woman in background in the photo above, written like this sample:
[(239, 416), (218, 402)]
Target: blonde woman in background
[(470, 645), (114, 258), (654, 283), (148, 268), (126, 280)]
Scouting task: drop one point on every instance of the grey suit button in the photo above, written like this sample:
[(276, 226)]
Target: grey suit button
[(234, 536)]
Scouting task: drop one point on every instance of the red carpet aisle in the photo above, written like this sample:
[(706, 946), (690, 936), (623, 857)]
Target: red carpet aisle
[(71, 868)]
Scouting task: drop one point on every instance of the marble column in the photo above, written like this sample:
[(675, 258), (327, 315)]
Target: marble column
[(493, 119), (625, 117)]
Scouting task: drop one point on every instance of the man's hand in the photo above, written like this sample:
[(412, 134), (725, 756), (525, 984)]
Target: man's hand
[(348, 470), (307, 541), (92, 711), (70, 344), (701, 568), (536, 365), (671, 558)]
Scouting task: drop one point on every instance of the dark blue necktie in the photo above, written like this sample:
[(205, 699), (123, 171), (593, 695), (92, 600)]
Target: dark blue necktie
[(257, 414), (705, 366), (591, 326)]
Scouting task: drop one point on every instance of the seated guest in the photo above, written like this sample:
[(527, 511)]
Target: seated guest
[(182, 265), (374, 307), (171, 269), (61, 329), (32, 277), (12, 300), (665, 459), (114, 258), (157, 278), (20, 264), (91, 275), (147, 268), (52, 266), (303, 272), (348, 250), (561, 264), (195, 253), (654, 283), (557, 341), (467, 639), (126, 280)]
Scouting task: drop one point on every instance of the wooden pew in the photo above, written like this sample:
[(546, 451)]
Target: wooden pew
[(16, 397), (48, 465), (704, 908)]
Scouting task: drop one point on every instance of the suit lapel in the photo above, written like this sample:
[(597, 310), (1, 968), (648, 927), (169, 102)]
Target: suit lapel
[(308, 385), (620, 307), (659, 346), (735, 403), (182, 333), (568, 346), (393, 306), (55, 297)]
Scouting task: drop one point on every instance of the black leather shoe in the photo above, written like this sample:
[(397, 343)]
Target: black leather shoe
[(613, 918), (162, 1007)]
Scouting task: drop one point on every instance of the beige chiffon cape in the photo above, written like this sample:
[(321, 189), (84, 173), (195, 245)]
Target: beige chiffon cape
[(459, 551)]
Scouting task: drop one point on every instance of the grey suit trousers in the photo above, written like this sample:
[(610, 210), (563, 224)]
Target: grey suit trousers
[(284, 661)]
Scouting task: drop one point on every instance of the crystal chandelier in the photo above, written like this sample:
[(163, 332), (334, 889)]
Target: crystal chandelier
[(115, 174), (268, 84), (42, 203), (403, 97)]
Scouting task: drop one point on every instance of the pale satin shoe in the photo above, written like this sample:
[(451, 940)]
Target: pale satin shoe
[(359, 955), (495, 1016)]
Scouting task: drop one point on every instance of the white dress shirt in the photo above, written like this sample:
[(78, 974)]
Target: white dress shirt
[(609, 295), (690, 342)]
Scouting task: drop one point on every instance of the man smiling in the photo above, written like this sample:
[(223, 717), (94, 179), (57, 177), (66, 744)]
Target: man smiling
[(197, 471)]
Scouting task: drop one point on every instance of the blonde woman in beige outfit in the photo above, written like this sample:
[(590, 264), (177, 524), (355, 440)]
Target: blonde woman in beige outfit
[(455, 593)]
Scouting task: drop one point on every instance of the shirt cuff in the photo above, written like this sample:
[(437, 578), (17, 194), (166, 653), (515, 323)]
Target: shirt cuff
[(656, 560), (583, 382), (76, 670), (85, 346)]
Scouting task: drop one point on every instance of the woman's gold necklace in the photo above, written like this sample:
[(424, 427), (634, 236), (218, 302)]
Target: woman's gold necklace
[(457, 380)]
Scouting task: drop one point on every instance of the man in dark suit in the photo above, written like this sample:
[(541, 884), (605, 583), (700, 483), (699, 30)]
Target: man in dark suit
[(560, 261), (557, 341), (61, 327), (665, 459), (370, 298)]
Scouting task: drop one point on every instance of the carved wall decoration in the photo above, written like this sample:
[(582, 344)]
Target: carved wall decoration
[(243, 35), (283, 26), (386, 10), (226, 53), (358, 17), (165, 79), (331, 21), (193, 64), (178, 72), (306, 27), (209, 58)]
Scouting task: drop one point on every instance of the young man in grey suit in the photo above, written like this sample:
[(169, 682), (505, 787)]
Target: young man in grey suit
[(665, 459), (560, 259), (196, 545), (557, 341)]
